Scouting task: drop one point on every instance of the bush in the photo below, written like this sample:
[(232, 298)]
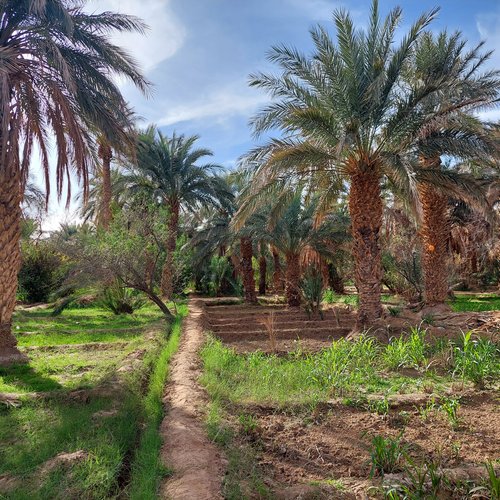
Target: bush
[(42, 272), (121, 300), (312, 291)]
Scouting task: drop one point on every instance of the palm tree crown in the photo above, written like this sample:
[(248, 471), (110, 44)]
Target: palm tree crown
[(168, 169)]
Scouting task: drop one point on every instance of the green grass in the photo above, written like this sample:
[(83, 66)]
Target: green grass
[(476, 302), (345, 369), (116, 432), (80, 326), (147, 469)]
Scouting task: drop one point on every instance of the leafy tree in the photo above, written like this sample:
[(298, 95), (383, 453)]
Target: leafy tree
[(57, 80), (130, 253)]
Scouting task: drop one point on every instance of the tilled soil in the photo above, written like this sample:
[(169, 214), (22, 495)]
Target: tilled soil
[(186, 449), (296, 447), (280, 329), (333, 442)]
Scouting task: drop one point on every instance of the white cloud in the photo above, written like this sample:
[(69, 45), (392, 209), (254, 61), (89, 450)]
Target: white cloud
[(162, 40), (234, 100)]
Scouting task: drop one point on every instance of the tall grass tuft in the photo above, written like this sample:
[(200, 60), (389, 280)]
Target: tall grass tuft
[(407, 352), (477, 360)]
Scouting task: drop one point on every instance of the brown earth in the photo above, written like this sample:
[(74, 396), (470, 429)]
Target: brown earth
[(333, 441), (297, 449), (247, 328), (195, 460)]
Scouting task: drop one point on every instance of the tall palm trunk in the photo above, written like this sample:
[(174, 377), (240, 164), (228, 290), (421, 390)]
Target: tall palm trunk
[(278, 273), (167, 277), (292, 281), (247, 270), (365, 206), (106, 155), (262, 271), (434, 234), (10, 262)]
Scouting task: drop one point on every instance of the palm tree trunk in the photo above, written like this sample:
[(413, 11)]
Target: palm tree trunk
[(335, 281), (434, 234), (10, 262), (247, 270), (292, 282), (106, 156), (278, 273), (262, 271), (167, 277), (365, 206)]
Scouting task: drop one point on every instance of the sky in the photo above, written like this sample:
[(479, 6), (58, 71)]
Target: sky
[(198, 54)]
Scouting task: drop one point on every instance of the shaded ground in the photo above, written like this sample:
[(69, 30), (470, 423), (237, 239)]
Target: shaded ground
[(69, 419)]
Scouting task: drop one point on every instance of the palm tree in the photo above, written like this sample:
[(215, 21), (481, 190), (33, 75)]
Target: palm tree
[(169, 170), (57, 79), (347, 110), (293, 228), (105, 153), (92, 209), (454, 132)]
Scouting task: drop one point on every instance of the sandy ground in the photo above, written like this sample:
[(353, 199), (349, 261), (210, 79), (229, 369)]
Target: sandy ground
[(195, 460)]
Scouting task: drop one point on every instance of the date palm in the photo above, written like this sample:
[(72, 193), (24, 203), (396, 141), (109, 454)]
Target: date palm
[(454, 133), (57, 79), (347, 110), (291, 225), (95, 208), (169, 169)]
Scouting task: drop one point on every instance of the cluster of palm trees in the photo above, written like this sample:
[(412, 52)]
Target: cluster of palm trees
[(365, 114), (365, 111)]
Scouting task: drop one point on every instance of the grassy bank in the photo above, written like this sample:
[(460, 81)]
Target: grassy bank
[(91, 403), (147, 469)]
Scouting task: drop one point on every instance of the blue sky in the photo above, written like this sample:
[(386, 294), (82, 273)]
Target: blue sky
[(199, 53)]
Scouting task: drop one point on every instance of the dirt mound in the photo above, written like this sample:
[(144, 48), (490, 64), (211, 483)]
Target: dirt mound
[(187, 450)]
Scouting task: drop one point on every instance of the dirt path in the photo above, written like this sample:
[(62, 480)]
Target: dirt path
[(186, 449)]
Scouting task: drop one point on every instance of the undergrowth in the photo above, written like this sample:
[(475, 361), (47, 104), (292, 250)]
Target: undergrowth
[(345, 368)]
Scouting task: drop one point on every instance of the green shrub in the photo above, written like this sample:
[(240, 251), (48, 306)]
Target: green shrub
[(42, 272), (386, 455), (312, 290), (121, 300)]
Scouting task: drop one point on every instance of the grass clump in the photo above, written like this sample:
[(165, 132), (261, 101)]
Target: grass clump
[(147, 468), (477, 360), (407, 352), (386, 455), (301, 379)]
